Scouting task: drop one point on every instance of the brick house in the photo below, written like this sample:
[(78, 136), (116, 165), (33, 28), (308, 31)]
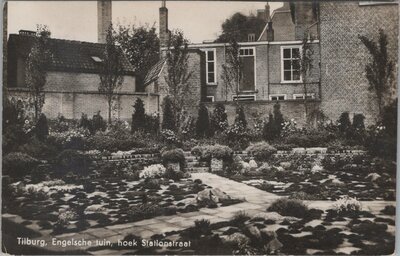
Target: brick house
[(73, 75), (271, 73)]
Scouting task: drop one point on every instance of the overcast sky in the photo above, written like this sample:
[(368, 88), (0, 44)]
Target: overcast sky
[(76, 20)]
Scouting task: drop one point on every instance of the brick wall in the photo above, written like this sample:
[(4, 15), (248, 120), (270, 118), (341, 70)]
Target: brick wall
[(343, 56), (72, 104), (260, 110), (78, 82)]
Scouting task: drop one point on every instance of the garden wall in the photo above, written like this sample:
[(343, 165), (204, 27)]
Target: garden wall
[(290, 109), (72, 104)]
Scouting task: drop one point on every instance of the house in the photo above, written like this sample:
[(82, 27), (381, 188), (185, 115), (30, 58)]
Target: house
[(271, 69), (73, 75)]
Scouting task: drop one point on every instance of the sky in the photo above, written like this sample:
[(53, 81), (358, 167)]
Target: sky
[(77, 20)]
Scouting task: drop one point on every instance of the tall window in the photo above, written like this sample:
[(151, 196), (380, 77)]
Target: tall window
[(290, 64), (211, 66), (247, 57)]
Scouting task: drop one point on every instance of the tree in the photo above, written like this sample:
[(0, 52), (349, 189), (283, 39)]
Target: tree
[(306, 65), (42, 128), (36, 68), (203, 122), (168, 121), (139, 116), (344, 123), (239, 26), (142, 48), (379, 71), (240, 119), (232, 73), (178, 73), (111, 75), (219, 120), (278, 119)]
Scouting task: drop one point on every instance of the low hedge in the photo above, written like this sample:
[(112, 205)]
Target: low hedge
[(17, 165), (261, 151)]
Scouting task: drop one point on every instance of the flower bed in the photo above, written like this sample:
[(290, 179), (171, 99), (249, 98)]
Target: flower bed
[(316, 177)]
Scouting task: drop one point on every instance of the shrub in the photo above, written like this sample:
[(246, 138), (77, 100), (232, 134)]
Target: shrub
[(168, 115), (18, 164), (309, 138), (98, 123), (188, 127), (239, 218), (71, 139), (261, 151), (42, 128), (169, 137), (347, 205), (289, 207), (358, 121), (203, 122), (344, 122), (202, 226), (152, 171), (173, 156), (152, 123), (170, 173), (207, 152), (151, 184), (60, 124), (85, 123), (139, 116), (74, 161), (219, 120), (38, 149), (143, 211), (240, 119)]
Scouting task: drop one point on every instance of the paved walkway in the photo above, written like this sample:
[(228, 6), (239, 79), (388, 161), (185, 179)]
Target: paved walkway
[(256, 201)]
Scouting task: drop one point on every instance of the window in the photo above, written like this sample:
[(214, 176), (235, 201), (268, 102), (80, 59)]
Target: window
[(244, 97), (251, 37), (248, 60), (211, 66), (290, 65), (301, 96), (277, 97), (209, 99)]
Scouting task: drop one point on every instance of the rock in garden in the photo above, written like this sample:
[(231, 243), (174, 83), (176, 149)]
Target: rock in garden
[(274, 245), (253, 164), (254, 231), (285, 165), (269, 216), (316, 168), (213, 194), (238, 238), (373, 176)]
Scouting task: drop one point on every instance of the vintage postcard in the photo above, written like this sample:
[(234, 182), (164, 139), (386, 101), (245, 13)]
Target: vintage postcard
[(199, 127)]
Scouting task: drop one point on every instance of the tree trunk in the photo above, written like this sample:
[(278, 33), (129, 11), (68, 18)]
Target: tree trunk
[(109, 111)]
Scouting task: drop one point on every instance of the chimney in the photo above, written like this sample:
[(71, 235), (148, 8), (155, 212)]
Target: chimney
[(270, 31), (103, 19), (267, 13), (163, 25)]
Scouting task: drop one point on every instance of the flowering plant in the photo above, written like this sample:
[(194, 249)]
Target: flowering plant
[(169, 136), (346, 204), (152, 171)]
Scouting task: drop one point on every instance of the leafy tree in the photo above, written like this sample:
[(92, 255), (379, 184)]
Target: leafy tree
[(139, 116), (358, 121), (379, 71), (239, 26), (36, 68), (142, 48), (219, 120), (203, 122), (278, 118), (98, 123), (178, 73), (85, 122), (232, 69), (168, 121), (111, 75), (273, 128), (306, 66)]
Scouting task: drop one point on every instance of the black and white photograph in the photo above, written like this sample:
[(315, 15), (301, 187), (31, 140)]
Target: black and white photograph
[(199, 127)]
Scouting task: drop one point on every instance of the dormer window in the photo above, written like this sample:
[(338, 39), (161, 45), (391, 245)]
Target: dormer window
[(97, 59), (251, 37)]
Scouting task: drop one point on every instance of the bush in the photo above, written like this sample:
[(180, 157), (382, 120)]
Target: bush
[(289, 207), (152, 171), (73, 161), (85, 123), (170, 137), (240, 119), (174, 156), (344, 123), (273, 128), (219, 119), (42, 128), (71, 139), (358, 121), (38, 149), (60, 124), (261, 151), (170, 173), (217, 151), (347, 205), (18, 164), (139, 116), (168, 115), (98, 123), (203, 122), (309, 138)]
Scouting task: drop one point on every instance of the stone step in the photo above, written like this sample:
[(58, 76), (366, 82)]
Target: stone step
[(197, 169), (190, 158)]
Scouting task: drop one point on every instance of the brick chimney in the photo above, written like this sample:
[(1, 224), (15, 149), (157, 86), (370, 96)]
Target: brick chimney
[(163, 25), (103, 19), (270, 31), (267, 13)]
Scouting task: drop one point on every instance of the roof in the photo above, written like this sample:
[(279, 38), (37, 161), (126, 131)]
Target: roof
[(281, 10), (154, 72), (68, 55)]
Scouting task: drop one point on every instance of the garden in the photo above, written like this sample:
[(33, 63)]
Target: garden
[(67, 176)]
